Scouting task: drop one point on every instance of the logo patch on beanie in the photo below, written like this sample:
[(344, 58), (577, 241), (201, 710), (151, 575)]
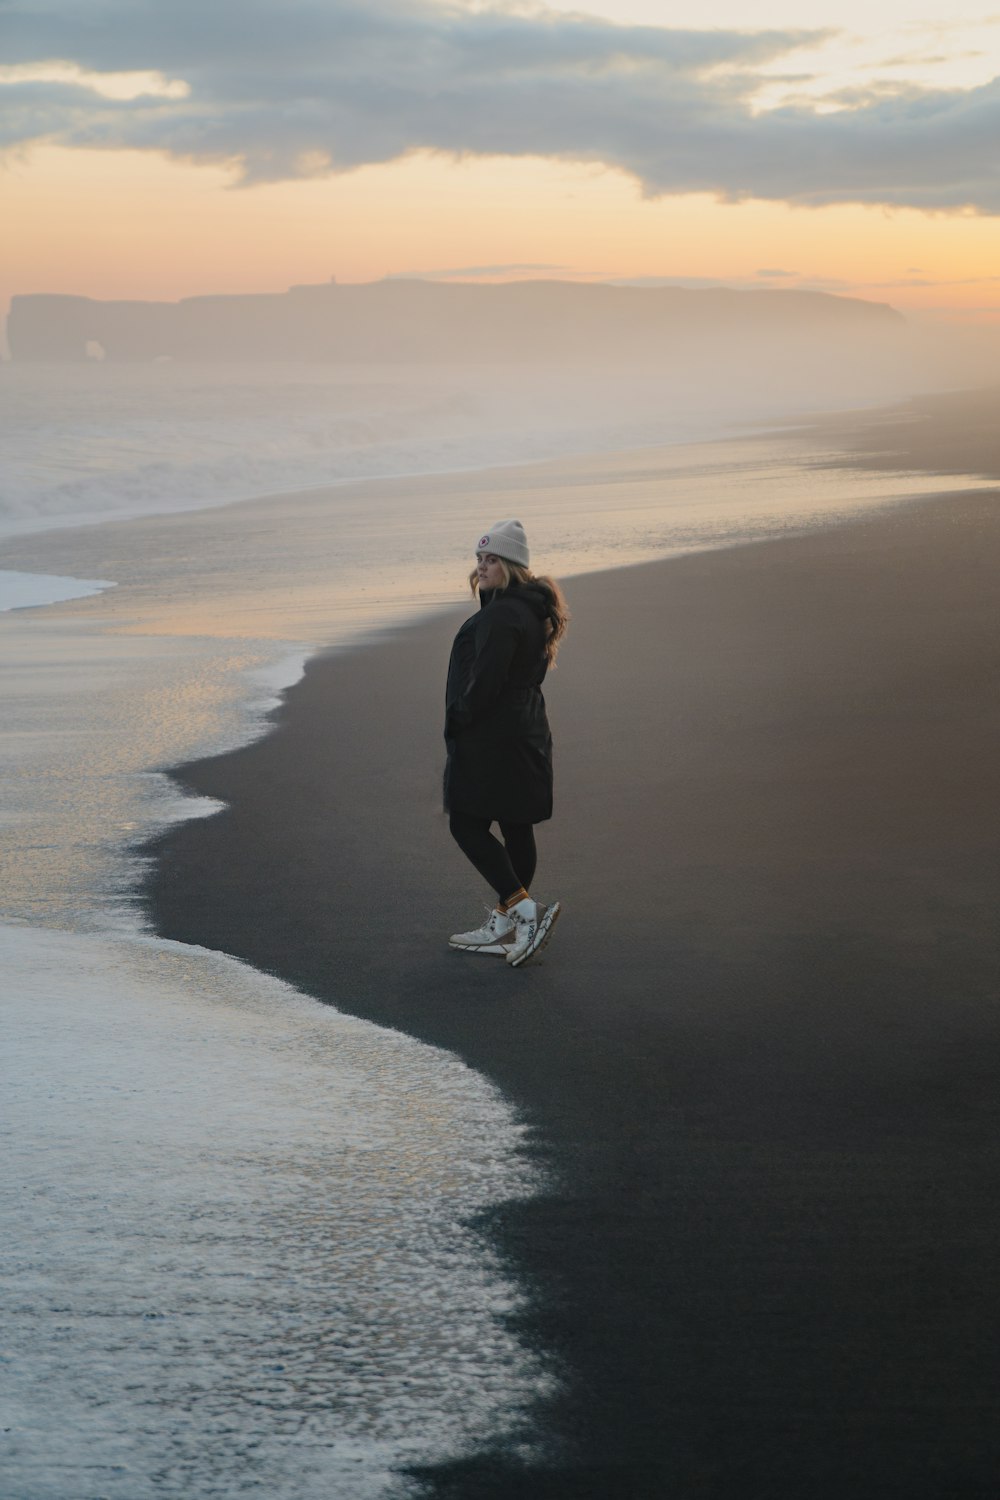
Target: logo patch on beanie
[(484, 541)]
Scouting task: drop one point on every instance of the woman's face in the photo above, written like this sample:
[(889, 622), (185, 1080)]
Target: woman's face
[(489, 570)]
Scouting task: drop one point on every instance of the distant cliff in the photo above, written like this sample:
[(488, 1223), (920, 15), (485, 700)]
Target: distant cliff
[(393, 321)]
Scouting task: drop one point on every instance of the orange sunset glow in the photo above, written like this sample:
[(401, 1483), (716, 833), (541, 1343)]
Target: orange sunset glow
[(112, 187), (142, 225)]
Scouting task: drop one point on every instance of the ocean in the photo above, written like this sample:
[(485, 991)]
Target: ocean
[(243, 1255)]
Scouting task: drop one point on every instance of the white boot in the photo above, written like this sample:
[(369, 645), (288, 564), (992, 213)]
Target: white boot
[(495, 936), (534, 923)]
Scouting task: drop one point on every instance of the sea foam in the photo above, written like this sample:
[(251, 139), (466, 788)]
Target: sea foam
[(32, 590), (238, 1233)]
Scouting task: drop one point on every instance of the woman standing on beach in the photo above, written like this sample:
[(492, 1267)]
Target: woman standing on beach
[(499, 767)]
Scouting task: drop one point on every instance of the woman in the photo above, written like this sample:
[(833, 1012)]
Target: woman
[(499, 767)]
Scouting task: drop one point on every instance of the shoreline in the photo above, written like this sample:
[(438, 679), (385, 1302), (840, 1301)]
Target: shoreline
[(772, 842), (855, 433), (204, 602), (482, 453)]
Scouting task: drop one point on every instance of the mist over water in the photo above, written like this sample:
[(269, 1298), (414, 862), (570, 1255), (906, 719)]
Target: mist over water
[(88, 441)]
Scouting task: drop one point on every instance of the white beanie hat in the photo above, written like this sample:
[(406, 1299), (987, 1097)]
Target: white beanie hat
[(506, 539)]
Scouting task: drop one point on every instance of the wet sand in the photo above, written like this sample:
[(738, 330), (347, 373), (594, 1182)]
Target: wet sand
[(760, 1055), (950, 432)]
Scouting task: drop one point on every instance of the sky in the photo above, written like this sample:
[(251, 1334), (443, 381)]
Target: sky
[(161, 151)]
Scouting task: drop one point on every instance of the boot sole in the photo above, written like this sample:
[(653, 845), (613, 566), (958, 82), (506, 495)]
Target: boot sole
[(542, 936), (501, 951)]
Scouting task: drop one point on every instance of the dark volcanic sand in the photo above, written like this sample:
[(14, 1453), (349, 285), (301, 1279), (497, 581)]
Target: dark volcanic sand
[(761, 1053)]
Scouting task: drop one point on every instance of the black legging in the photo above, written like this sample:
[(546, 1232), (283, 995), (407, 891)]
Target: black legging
[(505, 866)]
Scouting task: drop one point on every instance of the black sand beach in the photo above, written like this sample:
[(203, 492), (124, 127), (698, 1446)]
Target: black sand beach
[(760, 1056)]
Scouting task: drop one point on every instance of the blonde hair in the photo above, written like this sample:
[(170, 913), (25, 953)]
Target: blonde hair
[(556, 611)]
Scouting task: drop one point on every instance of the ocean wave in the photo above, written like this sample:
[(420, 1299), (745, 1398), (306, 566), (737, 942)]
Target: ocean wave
[(251, 1219), (92, 443)]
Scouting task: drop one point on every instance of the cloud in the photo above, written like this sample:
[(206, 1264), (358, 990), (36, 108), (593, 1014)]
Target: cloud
[(737, 283), (110, 85), (920, 60), (695, 282), (310, 87), (771, 274), (509, 268), (924, 281)]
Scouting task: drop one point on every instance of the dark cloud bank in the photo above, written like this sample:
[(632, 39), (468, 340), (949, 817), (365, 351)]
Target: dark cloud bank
[(299, 88)]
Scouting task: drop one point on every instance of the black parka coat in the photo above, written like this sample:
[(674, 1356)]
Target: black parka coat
[(496, 729)]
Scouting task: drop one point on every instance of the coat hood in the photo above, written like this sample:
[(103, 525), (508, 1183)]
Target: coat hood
[(533, 593)]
